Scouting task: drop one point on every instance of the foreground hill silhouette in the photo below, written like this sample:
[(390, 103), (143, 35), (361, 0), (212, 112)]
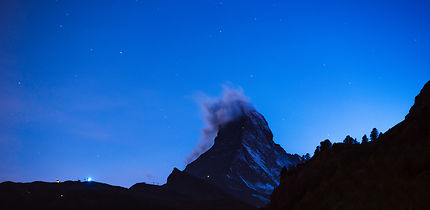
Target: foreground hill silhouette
[(182, 191), (392, 172)]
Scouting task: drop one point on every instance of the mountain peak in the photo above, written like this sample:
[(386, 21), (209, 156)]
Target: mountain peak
[(244, 160), (247, 122)]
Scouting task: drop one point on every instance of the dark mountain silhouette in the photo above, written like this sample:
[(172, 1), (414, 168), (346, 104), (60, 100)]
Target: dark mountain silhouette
[(182, 191), (244, 161), (392, 172)]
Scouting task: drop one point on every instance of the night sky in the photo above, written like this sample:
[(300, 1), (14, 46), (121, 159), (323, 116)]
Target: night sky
[(107, 89)]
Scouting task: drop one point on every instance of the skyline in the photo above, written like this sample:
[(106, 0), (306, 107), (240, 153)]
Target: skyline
[(109, 89)]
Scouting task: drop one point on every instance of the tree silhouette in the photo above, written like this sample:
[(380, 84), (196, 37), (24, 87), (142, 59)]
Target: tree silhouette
[(380, 134), (374, 134), (324, 146), (306, 157), (317, 151), (364, 139), (349, 140)]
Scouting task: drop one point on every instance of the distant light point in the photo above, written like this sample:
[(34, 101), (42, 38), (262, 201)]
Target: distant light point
[(255, 18), (89, 179), (121, 52), (60, 26), (91, 49), (220, 30), (19, 82), (324, 65)]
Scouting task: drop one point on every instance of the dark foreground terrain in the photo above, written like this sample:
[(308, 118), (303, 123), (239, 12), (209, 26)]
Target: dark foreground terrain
[(182, 191), (392, 172)]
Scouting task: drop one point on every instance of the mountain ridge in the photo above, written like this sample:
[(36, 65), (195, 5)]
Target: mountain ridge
[(244, 160)]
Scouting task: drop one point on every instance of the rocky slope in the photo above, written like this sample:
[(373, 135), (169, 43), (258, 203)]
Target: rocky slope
[(244, 160)]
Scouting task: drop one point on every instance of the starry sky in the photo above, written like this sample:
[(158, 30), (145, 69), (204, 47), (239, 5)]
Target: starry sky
[(107, 89)]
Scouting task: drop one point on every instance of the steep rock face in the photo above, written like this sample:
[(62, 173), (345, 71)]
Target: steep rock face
[(244, 160), (391, 173)]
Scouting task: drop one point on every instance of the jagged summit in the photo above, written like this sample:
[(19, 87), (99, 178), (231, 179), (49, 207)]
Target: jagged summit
[(244, 160)]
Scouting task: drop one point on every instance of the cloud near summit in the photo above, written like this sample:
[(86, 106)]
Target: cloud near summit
[(218, 111)]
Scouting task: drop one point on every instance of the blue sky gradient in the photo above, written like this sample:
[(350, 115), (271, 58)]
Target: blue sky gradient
[(108, 89)]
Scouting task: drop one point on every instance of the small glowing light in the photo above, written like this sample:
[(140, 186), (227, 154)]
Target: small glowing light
[(208, 176), (58, 181), (89, 179)]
